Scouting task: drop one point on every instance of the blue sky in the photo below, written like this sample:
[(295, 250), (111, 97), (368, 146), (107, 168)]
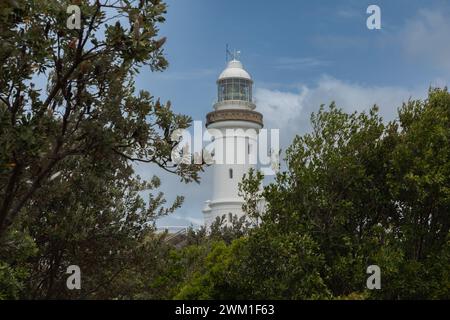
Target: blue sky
[(300, 54)]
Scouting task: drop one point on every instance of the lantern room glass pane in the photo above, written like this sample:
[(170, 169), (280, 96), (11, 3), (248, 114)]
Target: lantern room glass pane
[(235, 89)]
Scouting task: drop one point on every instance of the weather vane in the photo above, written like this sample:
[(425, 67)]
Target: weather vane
[(233, 55)]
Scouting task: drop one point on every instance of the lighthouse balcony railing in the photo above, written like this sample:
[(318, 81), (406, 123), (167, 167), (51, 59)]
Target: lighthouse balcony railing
[(240, 104)]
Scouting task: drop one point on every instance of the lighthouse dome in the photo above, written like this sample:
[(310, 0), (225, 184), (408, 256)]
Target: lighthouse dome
[(234, 69)]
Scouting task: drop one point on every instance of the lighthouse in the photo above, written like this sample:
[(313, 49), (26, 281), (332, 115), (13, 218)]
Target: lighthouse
[(234, 126)]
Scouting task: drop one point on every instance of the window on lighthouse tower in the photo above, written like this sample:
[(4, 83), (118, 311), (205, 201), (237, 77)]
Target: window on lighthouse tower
[(235, 89), (230, 172)]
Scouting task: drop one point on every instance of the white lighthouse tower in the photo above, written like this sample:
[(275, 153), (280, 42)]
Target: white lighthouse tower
[(234, 124)]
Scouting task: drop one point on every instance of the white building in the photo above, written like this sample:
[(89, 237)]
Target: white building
[(235, 126)]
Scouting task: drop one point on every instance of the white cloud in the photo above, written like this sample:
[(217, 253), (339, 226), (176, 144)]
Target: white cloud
[(290, 111), (426, 37), (279, 107)]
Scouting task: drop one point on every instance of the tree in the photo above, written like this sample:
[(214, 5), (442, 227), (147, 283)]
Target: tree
[(95, 218), (89, 107), (418, 179), (68, 192), (364, 193)]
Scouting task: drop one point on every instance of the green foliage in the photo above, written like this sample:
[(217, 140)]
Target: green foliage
[(68, 192), (368, 193), (89, 107), (14, 269), (222, 229), (256, 267), (286, 266), (209, 282), (105, 227)]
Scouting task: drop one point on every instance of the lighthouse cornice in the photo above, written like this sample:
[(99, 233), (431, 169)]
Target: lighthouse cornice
[(234, 115)]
